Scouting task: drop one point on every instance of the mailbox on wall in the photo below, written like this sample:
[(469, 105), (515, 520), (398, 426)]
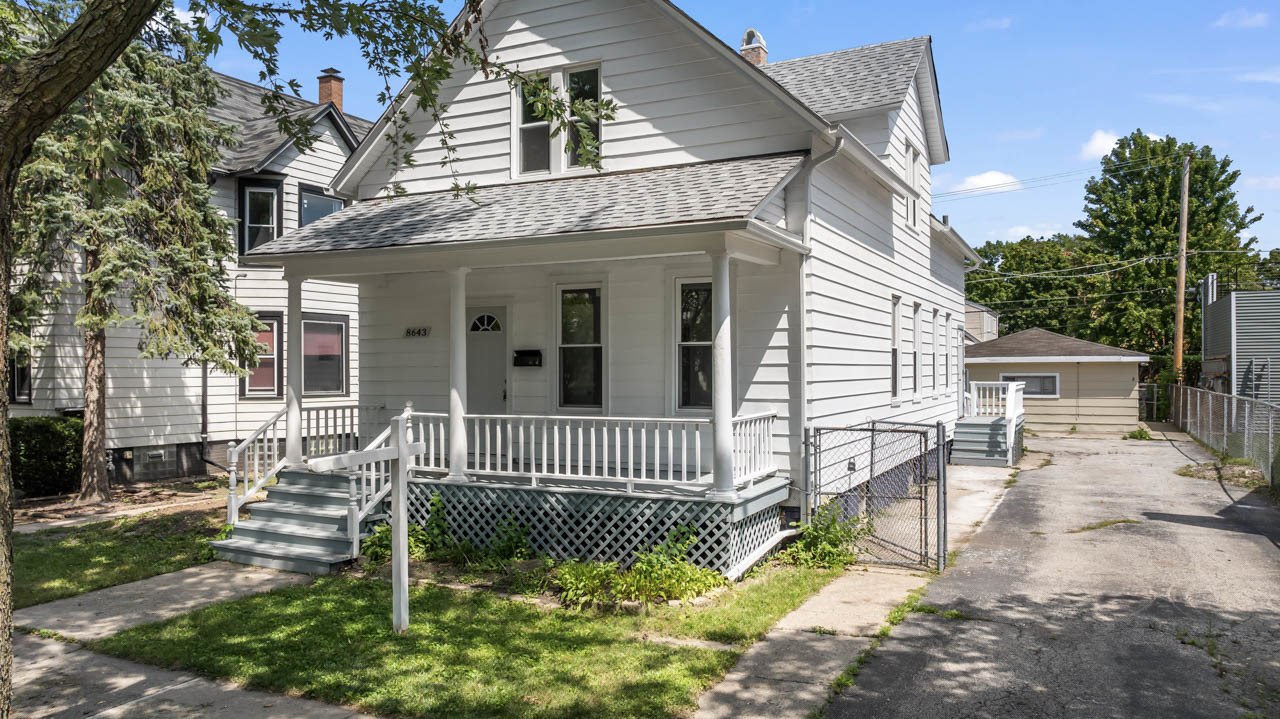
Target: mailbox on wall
[(527, 358)]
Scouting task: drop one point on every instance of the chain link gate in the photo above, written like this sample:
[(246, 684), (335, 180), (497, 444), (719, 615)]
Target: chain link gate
[(891, 474)]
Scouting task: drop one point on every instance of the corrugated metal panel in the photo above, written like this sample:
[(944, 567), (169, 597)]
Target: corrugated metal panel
[(1258, 345), (1217, 328)]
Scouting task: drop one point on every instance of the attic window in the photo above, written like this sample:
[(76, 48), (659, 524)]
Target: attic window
[(536, 149), (261, 215), (535, 137), (582, 85)]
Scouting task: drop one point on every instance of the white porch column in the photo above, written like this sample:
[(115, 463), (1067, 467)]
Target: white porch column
[(721, 381), (293, 374), (458, 374)]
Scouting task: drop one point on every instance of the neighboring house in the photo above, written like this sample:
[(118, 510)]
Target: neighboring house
[(1240, 341), (159, 412), (582, 349), (1069, 383), (981, 323)]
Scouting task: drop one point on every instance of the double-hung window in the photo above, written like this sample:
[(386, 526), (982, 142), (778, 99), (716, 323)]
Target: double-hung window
[(266, 379), (895, 347), (581, 348), (911, 156), (946, 362), (935, 360), (916, 345), (538, 149), (261, 213), (324, 354), (693, 344), (313, 204), (19, 381), (535, 134), (582, 85)]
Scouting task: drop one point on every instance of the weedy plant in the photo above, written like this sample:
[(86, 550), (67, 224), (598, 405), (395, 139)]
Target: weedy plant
[(829, 540)]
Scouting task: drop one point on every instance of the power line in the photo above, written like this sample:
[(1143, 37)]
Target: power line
[(1126, 263), (999, 188), (1076, 297)]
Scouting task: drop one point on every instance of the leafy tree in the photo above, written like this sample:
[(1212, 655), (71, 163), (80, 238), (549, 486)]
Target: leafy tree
[(41, 78), (125, 174), (1115, 282)]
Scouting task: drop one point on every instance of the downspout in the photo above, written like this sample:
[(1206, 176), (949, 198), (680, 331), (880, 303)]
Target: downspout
[(805, 233)]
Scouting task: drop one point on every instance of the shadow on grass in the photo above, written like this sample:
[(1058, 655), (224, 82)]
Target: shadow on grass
[(465, 655)]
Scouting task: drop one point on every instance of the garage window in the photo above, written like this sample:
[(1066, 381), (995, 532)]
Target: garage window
[(1044, 386)]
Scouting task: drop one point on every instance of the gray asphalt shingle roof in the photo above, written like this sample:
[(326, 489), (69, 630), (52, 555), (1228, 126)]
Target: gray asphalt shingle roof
[(847, 81), (720, 190), (1037, 342), (258, 134)]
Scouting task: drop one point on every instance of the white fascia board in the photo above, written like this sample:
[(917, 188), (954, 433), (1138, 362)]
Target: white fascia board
[(862, 155), (949, 233), (1047, 359)]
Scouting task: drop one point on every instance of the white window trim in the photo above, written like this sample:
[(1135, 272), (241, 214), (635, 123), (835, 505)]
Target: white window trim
[(345, 389), (949, 331), (275, 354), (554, 361), (935, 354), (917, 393), (275, 211), (559, 165), (673, 313), (1057, 382)]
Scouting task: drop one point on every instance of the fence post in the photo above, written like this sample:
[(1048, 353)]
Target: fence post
[(806, 504), (942, 497), (399, 528)]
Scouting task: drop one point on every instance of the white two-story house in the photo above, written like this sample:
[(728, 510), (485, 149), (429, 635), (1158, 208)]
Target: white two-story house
[(165, 419), (601, 356)]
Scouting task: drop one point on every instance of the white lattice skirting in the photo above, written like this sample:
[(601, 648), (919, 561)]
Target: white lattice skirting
[(599, 526)]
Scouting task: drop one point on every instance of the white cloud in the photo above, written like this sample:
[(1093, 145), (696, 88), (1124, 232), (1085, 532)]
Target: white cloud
[(1154, 137), (1271, 75), (1099, 144), (1039, 229), (1242, 18), (991, 23), (1190, 102), (986, 180), (1265, 182), (1033, 133), (187, 17)]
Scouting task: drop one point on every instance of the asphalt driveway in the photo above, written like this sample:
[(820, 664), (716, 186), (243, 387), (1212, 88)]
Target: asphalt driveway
[(1176, 614)]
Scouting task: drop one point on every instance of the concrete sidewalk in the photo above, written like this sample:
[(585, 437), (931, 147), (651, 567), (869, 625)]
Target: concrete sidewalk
[(60, 679), (790, 671)]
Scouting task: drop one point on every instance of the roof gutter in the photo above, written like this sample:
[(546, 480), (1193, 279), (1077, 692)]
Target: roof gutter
[(871, 162), (946, 231)]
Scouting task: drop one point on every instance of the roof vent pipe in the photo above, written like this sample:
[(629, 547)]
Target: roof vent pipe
[(753, 47)]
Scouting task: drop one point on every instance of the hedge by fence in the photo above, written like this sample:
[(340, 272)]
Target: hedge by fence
[(46, 455)]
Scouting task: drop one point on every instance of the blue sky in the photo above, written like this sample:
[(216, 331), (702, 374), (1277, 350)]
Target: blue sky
[(1028, 89)]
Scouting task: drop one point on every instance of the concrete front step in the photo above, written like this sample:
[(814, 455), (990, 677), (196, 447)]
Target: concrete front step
[(288, 557)]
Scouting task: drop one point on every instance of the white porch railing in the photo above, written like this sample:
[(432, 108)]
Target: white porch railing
[(753, 456), (252, 462), (998, 399)]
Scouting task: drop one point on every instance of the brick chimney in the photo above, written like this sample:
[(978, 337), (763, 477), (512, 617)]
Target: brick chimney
[(331, 87), (753, 48)]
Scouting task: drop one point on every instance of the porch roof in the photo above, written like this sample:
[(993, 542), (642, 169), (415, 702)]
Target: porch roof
[(701, 192)]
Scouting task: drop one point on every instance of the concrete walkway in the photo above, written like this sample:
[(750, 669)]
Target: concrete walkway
[(1173, 614), (789, 672), (59, 679)]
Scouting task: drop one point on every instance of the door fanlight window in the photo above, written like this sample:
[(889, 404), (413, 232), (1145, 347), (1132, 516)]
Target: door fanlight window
[(486, 323)]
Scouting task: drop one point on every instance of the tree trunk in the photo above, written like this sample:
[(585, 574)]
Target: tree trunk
[(8, 180), (94, 483)]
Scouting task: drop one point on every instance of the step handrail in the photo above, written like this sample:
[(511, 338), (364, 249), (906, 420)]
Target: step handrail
[(252, 445)]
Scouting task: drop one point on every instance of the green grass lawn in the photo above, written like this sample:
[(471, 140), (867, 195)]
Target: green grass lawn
[(58, 563), (467, 654)]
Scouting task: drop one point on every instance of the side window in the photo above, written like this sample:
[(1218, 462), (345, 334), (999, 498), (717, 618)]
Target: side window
[(19, 381), (535, 136), (895, 346), (916, 344), (324, 354), (313, 204), (582, 85), (267, 379), (581, 348), (261, 215), (693, 344)]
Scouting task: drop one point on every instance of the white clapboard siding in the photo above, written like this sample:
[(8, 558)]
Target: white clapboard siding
[(678, 100)]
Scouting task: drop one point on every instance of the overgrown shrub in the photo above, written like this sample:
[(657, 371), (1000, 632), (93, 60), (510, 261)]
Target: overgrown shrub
[(46, 455), (665, 572), (377, 546), (582, 583), (510, 541), (829, 540)]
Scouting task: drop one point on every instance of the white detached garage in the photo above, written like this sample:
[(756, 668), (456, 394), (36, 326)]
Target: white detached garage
[(1069, 382)]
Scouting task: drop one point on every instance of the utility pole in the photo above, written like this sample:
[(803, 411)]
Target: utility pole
[(1181, 305)]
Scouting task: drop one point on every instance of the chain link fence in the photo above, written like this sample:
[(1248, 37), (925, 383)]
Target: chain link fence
[(1236, 426), (893, 476)]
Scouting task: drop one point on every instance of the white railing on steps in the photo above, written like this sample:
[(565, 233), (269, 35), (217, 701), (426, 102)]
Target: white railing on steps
[(998, 399)]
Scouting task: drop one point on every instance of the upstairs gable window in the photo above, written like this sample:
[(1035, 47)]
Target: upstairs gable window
[(539, 150), (261, 212), (314, 204)]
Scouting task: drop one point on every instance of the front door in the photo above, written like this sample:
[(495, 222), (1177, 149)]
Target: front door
[(486, 360)]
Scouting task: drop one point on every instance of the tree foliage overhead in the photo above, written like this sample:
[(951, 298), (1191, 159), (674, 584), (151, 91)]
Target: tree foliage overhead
[(1114, 282)]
